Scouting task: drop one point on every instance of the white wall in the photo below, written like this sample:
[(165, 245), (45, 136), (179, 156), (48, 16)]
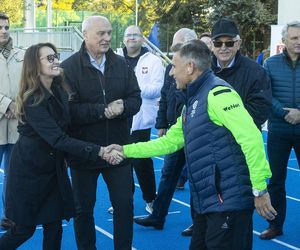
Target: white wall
[(288, 10)]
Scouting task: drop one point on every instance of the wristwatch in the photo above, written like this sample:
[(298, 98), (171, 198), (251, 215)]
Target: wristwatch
[(259, 193)]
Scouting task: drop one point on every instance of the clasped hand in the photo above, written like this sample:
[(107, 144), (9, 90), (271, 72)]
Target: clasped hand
[(114, 109), (113, 154), (11, 111)]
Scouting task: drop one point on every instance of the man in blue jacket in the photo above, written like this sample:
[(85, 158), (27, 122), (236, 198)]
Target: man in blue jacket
[(284, 123), (224, 151), (170, 107)]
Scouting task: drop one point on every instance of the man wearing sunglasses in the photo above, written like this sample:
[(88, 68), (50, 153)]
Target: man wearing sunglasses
[(11, 61), (247, 77)]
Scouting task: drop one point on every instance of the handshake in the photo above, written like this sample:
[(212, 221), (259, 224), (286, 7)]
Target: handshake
[(113, 154)]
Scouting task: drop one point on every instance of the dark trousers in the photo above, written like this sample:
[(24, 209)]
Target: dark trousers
[(144, 167), (17, 235), (173, 164), (223, 231), (183, 176), (279, 149), (119, 184)]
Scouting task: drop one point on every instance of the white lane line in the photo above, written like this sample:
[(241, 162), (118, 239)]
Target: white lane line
[(292, 198), (144, 215), (294, 169), (41, 227), (280, 242), (109, 235)]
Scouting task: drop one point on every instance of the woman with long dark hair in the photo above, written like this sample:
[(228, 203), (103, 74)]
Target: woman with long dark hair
[(38, 187)]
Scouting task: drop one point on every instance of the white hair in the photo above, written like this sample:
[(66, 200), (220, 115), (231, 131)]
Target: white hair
[(186, 34), (87, 22)]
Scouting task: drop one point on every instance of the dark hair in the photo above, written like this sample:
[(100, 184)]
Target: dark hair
[(3, 16), (198, 52)]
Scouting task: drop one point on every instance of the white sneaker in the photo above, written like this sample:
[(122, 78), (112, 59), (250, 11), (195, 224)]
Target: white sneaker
[(149, 207), (110, 210)]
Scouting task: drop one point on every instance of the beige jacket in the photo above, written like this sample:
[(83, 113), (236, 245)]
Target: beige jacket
[(10, 73)]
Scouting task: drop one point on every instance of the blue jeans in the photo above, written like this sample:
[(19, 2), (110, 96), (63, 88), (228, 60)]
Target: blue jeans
[(171, 171), (5, 153), (279, 149)]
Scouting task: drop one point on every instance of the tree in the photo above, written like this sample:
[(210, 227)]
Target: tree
[(253, 18), (15, 14)]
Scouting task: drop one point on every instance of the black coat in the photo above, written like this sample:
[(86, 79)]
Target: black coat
[(90, 86), (170, 103), (38, 187), (251, 82)]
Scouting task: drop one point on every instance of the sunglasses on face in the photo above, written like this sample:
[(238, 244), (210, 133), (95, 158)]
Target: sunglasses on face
[(228, 44), (52, 57), (5, 27)]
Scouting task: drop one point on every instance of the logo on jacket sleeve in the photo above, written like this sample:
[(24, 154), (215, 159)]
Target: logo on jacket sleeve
[(145, 70), (195, 104), (232, 106)]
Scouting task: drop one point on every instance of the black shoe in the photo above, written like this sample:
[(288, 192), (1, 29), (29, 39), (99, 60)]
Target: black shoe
[(270, 233), (6, 224), (149, 221), (188, 232)]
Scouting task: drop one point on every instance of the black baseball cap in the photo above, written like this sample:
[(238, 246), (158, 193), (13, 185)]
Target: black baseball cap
[(224, 27)]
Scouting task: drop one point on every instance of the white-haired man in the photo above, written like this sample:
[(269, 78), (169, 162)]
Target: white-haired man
[(97, 75)]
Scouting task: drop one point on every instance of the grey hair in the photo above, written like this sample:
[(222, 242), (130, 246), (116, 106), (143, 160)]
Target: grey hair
[(87, 22), (284, 32), (186, 34), (198, 52), (183, 35)]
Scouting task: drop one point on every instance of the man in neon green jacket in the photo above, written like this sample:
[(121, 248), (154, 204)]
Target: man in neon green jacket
[(224, 151)]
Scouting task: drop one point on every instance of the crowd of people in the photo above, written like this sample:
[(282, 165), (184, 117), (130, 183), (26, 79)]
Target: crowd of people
[(94, 113)]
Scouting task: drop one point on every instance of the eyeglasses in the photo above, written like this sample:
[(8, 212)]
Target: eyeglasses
[(228, 44), (5, 27), (136, 35), (51, 58)]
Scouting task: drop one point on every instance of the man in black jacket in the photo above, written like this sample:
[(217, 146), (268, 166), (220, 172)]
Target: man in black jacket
[(248, 78), (96, 75)]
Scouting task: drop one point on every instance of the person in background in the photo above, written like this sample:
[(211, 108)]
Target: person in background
[(170, 107), (11, 61), (97, 75), (38, 186), (284, 122), (149, 71), (224, 152), (248, 78), (206, 38)]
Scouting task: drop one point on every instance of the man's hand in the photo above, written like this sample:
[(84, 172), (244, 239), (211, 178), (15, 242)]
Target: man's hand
[(11, 111), (9, 115), (114, 109), (113, 154), (161, 132), (264, 208), (293, 115)]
